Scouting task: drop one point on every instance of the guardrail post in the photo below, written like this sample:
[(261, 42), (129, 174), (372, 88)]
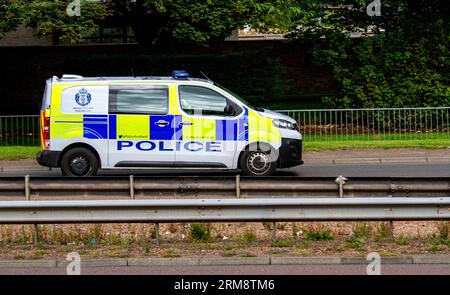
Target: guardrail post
[(28, 197), (36, 235), (341, 180), (274, 231), (157, 234), (390, 229), (27, 187), (132, 187), (238, 186)]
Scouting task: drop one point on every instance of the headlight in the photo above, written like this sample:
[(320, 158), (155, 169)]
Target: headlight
[(280, 123)]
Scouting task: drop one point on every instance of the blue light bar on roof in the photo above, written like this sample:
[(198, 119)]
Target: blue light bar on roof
[(180, 75)]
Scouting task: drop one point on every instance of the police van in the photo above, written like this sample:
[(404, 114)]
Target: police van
[(176, 122)]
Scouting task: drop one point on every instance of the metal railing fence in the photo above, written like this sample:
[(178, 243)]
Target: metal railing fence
[(19, 130), (316, 125), (373, 124)]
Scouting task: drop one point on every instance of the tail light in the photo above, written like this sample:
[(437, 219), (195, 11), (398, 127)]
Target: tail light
[(46, 132)]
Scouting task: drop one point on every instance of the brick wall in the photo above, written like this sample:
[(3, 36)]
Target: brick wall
[(25, 69), (24, 36)]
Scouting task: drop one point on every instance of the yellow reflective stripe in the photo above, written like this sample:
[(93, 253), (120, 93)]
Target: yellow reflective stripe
[(55, 102), (201, 129), (174, 108), (133, 127), (67, 126), (261, 129)]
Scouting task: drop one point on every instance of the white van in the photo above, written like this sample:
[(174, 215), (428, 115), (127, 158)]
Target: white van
[(160, 122)]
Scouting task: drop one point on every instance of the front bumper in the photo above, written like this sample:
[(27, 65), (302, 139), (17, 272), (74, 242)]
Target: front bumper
[(290, 153), (48, 158)]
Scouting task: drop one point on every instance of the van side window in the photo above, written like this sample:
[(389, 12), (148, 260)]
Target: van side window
[(139, 100), (202, 101)]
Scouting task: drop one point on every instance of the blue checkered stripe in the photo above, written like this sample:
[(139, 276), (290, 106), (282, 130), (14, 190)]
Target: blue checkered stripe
[(105, 127)]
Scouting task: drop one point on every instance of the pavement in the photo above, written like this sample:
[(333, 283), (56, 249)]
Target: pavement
[(276, 265), (307, 170), (350, 163), (312, 158)]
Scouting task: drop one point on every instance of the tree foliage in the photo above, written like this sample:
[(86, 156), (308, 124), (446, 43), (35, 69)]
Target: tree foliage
[(51, 18), (10, 12), (402, 62), (152, 21), (207, 21)]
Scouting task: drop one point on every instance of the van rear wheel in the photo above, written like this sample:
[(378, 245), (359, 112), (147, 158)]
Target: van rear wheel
[(79, 162)]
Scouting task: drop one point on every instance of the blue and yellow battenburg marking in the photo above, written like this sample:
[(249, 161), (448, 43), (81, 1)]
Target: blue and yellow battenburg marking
[(249, 127), (95, 126), (143, 127)]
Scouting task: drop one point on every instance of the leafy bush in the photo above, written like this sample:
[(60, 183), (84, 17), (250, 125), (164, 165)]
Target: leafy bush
[(250, 236), (199, 233), (361, 230), (360, 233), (404, 63), (318, 235), (388, 72)]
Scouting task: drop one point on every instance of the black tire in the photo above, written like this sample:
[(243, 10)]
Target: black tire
[(257, 163), (79, 162)]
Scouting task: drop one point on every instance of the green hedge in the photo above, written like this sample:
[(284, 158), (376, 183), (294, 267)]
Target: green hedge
[(255, 76)]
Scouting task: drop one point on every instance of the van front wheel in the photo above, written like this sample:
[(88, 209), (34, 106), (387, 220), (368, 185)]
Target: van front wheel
[(257, 163), (79, 162)]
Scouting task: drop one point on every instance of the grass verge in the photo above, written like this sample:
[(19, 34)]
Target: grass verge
[(381, 144), (137, 240), (18, 152), (325, 143), (315, 142)]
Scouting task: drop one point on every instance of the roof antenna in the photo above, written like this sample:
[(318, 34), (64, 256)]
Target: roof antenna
[(205, 76)]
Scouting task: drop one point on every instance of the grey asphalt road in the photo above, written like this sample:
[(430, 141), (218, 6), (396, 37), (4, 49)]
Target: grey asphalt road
[(372, 170), (353, 269)]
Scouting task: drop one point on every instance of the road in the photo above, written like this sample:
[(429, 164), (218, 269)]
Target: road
[(352, 269), (372, 170)]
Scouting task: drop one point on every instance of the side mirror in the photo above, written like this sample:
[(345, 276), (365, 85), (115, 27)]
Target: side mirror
[(229, 110)]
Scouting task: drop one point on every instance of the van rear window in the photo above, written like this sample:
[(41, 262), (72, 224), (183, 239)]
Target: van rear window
[(138, 100), (46, 97)]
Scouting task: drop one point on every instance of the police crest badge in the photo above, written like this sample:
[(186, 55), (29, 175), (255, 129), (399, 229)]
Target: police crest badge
[(83, 97)]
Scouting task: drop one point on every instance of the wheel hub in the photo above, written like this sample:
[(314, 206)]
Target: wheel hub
[(79, 165), (259, 162)]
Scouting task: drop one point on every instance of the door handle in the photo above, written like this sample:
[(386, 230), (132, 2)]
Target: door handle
[(162, 123), (186, 123)]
